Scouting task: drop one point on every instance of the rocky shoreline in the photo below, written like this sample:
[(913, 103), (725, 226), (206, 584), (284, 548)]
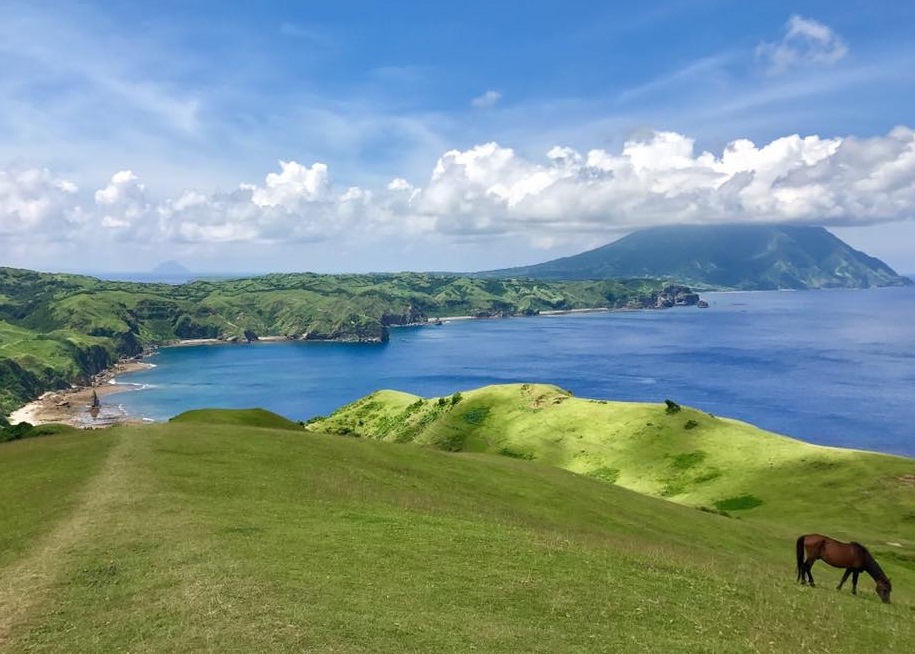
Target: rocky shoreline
[(74, 406)]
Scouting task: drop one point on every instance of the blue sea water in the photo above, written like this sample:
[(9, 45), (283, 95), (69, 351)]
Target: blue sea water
[(829, 367)]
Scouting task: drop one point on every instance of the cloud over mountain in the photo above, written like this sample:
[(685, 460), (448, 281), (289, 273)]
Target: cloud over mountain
[(660, 179)]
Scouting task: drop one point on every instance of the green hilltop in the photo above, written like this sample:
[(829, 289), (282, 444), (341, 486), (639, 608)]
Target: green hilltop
[(234, 532), (57, 329), (744, 257), (663, 450)]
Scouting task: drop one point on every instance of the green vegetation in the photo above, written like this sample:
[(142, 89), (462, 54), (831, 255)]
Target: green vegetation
[(746, 257), (22, 430), (238, 417), (58, 329), (683, 455), (215, 533)]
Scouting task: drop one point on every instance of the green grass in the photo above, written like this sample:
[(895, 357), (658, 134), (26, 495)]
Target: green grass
[(194, 536), (645, 448), (237, 417), (40, 479)]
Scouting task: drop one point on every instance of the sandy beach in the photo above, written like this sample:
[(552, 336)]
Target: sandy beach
[(73, 406)]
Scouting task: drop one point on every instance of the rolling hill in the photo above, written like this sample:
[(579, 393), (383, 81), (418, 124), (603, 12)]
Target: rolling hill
[(744, 257), (215, 533), (672, 452)]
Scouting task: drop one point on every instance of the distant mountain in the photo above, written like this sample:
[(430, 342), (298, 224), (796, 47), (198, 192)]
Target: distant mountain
[(746, 257), (170, 267)]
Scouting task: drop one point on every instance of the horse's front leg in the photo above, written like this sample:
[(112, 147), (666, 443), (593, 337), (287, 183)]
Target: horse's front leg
[(854, 583), (844, 577)]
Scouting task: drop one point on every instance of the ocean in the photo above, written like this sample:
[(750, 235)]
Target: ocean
[(828, 367)]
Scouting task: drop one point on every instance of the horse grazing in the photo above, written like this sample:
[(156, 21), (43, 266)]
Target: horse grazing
[(854, 557)]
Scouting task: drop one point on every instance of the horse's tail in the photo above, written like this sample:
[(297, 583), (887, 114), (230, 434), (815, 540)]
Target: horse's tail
[(800, 558)]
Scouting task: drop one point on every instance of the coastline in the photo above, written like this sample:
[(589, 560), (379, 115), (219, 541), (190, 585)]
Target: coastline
[(73, 406)]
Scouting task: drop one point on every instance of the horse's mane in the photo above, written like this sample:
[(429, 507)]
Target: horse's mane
[(870, 564)]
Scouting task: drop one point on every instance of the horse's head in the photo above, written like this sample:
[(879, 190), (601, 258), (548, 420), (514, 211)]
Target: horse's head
[(883, 590)]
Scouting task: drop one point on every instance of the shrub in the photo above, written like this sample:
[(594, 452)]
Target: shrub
[(672, 407), (738, 503), (605, 474), (516, 454), (15, 432), (476, 415), (688, 460)]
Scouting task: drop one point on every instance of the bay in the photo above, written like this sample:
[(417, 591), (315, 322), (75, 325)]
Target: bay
[(829, 367)]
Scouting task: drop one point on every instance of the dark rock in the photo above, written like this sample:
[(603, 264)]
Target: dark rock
[(411, 315)]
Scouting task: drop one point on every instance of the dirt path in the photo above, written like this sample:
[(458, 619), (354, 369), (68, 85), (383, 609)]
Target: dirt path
[(26, 585)]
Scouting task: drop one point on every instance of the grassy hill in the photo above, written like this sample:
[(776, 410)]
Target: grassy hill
[(679, 453), (58, 329), (192, 536), (745, 257)]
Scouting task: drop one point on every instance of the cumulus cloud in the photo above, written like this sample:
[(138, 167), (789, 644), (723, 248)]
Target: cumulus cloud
[(491, 190), (806, 42), (661, 179), (293, 185), (488, 99), (122, 203), (35, 200)]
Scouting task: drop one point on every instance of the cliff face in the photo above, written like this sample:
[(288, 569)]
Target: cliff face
[(744, 257), (409, 315)]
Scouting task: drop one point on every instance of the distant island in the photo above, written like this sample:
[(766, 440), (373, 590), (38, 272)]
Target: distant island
[(723, 257), (170, 267)]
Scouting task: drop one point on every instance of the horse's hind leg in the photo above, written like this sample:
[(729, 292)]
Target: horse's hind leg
[(844, 577), (807, 565)]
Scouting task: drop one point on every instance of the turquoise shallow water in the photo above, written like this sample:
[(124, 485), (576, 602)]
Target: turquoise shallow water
[(830, 367)]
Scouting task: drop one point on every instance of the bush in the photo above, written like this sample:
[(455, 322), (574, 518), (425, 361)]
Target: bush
[(15, 432), (739, 503), (476, 415), (672, 407)]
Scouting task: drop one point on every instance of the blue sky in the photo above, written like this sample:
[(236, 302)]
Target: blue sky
[(354, 136)]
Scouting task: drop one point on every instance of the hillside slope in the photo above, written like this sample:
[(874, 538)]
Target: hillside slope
[(744, 257), (188, 537), (683, 455)]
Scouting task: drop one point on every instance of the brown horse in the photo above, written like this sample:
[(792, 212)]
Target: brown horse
[(854, 557)]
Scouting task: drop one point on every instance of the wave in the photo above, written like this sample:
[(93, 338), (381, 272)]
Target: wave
[(134, 386)]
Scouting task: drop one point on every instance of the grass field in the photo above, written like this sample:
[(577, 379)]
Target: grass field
[(684, 455), (213, 534)]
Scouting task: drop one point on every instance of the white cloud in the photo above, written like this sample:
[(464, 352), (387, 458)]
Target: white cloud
[(36, 201), (489, 99), (493, 191), (123, 208), (294, 184), (806, 43)]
